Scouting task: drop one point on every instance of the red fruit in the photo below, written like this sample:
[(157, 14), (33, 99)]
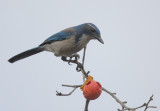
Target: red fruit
[(92, 90)]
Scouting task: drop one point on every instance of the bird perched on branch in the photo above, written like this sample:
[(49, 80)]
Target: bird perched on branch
[(65, 43)]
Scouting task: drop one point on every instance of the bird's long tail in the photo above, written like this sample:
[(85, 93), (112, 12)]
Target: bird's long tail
[(25, 54)]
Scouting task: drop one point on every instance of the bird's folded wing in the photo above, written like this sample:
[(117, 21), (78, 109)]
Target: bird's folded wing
[(65, 34)]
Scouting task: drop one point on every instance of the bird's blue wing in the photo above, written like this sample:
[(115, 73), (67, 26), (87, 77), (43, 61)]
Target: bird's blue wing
[(59, 36)]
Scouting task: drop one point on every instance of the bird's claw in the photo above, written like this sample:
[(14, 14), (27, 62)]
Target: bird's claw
[(66, 60), (76, 56), (79, 67), (69, 61)]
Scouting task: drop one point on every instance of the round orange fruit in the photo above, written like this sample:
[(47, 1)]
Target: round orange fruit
[(92, 90)]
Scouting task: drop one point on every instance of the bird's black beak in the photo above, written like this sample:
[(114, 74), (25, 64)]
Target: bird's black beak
[(100, 39)]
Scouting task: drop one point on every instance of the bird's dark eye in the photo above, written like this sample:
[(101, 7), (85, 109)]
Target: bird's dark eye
[(93, 30)]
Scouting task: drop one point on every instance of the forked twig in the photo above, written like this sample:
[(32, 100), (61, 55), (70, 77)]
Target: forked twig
[(147, 104), (74, 88), (125, 107)]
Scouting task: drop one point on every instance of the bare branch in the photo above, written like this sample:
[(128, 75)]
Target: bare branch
[(74, 88), (86, 106), (84, 54), (113, 95), (60, 94), (123, 104), (147, 104), (152, 106), (125, 107), (80, 67)]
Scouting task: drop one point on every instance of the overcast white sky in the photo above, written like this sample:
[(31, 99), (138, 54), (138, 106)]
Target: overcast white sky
[(128, 63)]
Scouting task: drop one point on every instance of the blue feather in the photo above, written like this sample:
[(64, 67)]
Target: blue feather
[(95, 28), (58, 37)]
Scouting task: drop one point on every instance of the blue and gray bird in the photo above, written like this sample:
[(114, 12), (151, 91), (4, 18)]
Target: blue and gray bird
[(65, 43)]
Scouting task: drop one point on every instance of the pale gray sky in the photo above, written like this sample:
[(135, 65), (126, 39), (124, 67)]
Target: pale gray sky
[(128, 63)]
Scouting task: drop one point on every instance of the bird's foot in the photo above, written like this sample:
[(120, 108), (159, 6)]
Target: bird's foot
[(76, 56), (79, 66), (64, 58), (69, 60)]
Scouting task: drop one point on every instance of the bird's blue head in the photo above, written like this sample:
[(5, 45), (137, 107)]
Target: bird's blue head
[(91, 31)]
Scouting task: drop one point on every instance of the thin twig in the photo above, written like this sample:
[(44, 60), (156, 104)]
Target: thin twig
[(74, 88), (125, 107), (147, 104), (113, 95), (84, 53), (86, 106), (60, 94)]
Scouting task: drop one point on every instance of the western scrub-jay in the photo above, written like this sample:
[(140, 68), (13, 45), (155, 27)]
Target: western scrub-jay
[(65, 43)]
